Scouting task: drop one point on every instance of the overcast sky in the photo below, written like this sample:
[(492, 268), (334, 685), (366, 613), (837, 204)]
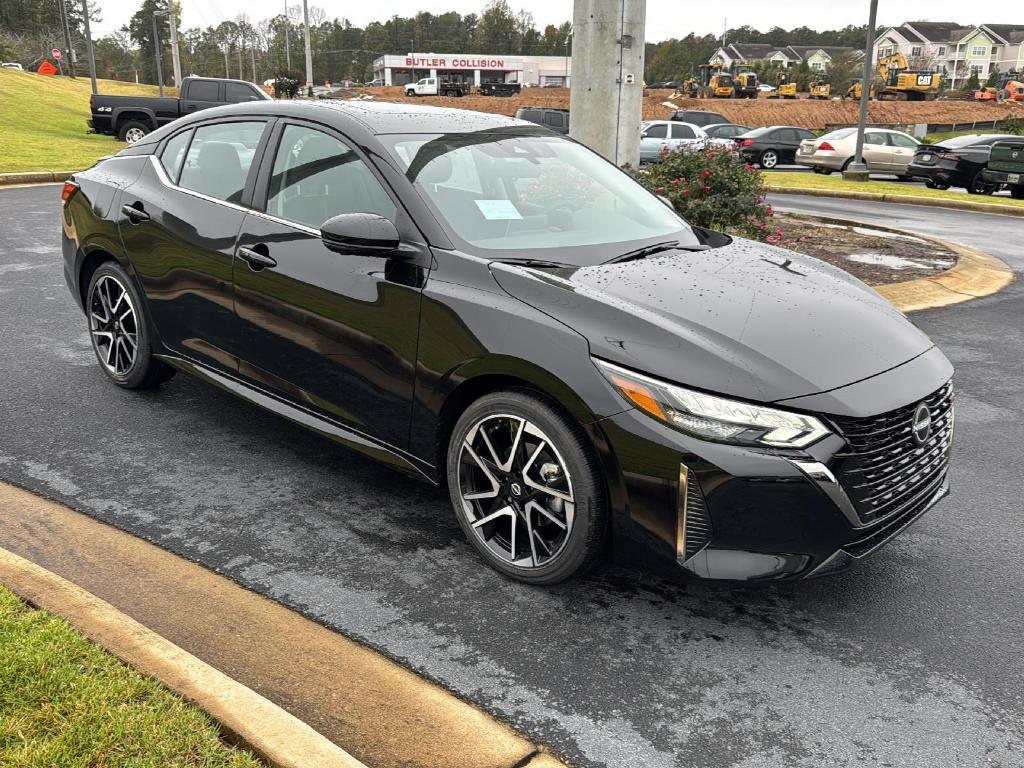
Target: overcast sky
[(665, 18)]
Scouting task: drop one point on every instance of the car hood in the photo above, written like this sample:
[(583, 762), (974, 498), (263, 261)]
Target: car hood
[(747, 319)]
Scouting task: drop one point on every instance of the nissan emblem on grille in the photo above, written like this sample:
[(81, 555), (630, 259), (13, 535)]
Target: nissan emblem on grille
[(922, 426)]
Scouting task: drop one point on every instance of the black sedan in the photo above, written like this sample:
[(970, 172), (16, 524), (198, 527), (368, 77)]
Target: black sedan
[(956, 162), (491, 307), (726, 130), (772, 145)]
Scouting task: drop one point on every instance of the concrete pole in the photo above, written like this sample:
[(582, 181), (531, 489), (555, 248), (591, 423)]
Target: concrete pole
[(159, 56), (175, 56), (606, 98), (309, 50), (89, 49), (858, 170)]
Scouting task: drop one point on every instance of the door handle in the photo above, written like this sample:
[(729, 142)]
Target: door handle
[(135, 214), (257, 260)]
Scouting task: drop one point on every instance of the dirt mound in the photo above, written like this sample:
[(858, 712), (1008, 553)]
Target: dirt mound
[(756, 112)]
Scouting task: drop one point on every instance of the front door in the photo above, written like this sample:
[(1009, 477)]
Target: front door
[(332, 331), (179, 223)]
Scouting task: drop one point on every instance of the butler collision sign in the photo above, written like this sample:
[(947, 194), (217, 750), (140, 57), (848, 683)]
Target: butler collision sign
[(399, 70)]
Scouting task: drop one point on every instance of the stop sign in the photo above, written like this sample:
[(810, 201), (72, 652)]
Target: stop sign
[(56, 53)]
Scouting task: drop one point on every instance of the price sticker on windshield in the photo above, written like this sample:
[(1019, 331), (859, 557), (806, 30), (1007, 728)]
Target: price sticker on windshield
[(498, 210)]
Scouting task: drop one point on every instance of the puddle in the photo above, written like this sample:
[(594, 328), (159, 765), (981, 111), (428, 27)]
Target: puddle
[(897, 262), (880, 233)]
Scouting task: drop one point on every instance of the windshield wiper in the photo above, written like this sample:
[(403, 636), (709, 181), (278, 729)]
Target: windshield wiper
[(650, 250), (538, 263)]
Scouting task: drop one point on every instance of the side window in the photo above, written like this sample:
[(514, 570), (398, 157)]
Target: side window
[(235, 93), (899, 140), (553, 118), (317, 177), (878, 139), (174, 154), (202, 90), (658, 131), (219, 158), (683, 132)]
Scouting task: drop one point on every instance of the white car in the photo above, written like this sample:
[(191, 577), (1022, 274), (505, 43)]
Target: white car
[(12, 65), (885, 151), (657, 136), (766, 88)]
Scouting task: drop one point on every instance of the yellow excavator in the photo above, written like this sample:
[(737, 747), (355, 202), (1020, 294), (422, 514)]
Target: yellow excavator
[(785, 88), (855, 91), (820, 89), (900, 83)]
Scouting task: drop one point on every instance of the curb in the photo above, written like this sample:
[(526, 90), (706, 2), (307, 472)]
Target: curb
[(34, 177), (974, 276), (281, 739), (962, 205)]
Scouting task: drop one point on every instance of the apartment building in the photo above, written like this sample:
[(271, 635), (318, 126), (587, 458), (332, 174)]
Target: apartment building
[(738, 55)]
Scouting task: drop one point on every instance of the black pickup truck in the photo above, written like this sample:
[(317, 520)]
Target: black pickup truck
[(500, 89), (132, 117), (1006, 166)]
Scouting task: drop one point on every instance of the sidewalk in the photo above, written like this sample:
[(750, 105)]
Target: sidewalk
[(376, 710)]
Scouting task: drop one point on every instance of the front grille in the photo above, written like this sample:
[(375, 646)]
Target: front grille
[(883, 470)]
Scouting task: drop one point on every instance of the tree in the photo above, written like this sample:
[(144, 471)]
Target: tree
[(993, 77), (973, 83), (140, 28)]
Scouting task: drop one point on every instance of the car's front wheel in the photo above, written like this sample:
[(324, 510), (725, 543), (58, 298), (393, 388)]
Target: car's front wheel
[(526, 488), (119, 333)]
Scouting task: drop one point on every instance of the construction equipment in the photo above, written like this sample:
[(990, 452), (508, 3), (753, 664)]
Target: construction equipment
[(1009, 87), (745, 85), (713, 83), (785, 87), (821, 89), (900, 83), (854, 91)]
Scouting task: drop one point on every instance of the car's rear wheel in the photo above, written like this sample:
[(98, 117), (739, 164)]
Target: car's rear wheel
[(119, 332), (769, 159), (132, 131), (526, 488)]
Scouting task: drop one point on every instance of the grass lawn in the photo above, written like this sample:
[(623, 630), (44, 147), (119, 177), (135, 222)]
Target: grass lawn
[(796, 181), (42, 121), (67, 703)]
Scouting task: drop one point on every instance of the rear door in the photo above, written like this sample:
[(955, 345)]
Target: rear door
[(200, 94), (332, 331), (179, 222), (788, 141)]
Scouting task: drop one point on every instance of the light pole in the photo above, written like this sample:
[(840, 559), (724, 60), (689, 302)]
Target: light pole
[(67, 39), (858, 170), (88, 45), (157, 52), (309, 50), (565, 79), (287, 38), (175, 56)]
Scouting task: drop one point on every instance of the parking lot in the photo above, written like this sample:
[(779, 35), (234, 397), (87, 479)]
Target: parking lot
[(913, 659)]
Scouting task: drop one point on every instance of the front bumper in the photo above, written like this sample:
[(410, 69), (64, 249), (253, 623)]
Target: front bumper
[(716, 511)]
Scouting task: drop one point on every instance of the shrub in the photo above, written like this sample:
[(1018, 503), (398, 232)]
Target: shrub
[(711, 187), (287, 84)]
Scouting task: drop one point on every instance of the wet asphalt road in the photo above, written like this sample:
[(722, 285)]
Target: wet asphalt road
[(914, 659)]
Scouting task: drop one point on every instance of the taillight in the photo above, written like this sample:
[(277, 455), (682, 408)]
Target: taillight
[(826, 147), (747, 143), (949, 156), (67, 192)]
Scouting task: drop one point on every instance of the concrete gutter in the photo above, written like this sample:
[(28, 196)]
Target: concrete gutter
[(962, 205), (34, 177), (175, 621), (974, 276)]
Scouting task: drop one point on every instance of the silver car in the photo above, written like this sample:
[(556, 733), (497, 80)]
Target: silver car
[(885, 151), (657, 136)]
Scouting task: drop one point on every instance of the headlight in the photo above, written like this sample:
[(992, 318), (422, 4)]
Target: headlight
[(711, 417)]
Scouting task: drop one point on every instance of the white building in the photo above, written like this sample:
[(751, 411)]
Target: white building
[(474, 67), (818, 57), (955, 49)]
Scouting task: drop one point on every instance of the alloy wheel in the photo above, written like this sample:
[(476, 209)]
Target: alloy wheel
[(133, 134), (113, 325), (516, 490), (769, 159)]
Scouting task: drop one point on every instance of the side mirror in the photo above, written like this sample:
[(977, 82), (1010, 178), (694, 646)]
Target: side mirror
[(361, 234)]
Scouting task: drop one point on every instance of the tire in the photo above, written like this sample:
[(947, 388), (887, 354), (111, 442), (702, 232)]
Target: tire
[(823, 171), (571, 528), (936, 185), (115, 327), (979, 187), (410, 93), (1017, 193), (769, 159), (132, 131), (846, 165)]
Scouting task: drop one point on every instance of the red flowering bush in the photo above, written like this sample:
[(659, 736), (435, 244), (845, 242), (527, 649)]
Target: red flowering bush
[(712, 188)]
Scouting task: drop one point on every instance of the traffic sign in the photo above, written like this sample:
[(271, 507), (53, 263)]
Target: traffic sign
[(56, 53)]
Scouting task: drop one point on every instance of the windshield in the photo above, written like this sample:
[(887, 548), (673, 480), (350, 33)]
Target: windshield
[(544, 197)]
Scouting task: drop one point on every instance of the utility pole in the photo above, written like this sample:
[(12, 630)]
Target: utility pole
[(287, 37), (309, 51), (158, 52), (607, 77), (172, 9), (88, 46), (252, 58), (858, 170), (67, 38), (227, 72)]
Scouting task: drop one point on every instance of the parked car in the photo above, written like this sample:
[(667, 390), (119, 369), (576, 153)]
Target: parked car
[(553, 119), (1006, 166), (772, 145), (725, 130), (657, 136), (437, 86), (575, 362), (699, 117), (12, 65), (377, 82), (766, 88), (957, 162), (132, 117), (500, 89), (885, 151)]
